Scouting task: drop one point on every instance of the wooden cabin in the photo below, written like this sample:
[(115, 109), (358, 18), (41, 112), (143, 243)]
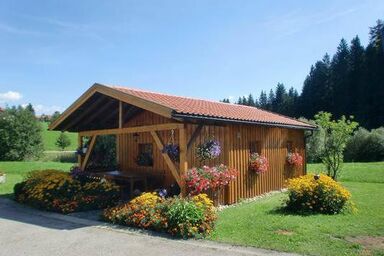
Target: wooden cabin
[(144, 121)]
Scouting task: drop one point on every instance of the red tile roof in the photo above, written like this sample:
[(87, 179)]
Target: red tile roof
[(213, 109)]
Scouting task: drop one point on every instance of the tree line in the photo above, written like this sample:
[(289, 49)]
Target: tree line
[(349, 83)]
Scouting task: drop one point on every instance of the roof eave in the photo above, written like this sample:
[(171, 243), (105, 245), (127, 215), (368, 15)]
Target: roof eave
[(238, 121)]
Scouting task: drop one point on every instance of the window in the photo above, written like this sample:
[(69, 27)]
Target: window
[(145, 156), (255, 147)]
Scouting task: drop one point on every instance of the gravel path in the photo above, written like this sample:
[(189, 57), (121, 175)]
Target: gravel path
[(25, 231)]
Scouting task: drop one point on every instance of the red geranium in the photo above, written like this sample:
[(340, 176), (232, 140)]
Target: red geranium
[(202, 179), (258, 163), (294, 159)]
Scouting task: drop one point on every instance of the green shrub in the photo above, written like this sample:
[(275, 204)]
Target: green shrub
[(55, 190), (366, 146), (184, 217), (321, 194)]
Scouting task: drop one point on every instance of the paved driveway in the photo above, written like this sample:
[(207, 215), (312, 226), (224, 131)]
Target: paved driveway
[(24, 231)]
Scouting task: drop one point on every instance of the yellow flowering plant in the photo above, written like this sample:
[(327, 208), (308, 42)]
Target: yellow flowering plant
[(58, 191), (317, 193)]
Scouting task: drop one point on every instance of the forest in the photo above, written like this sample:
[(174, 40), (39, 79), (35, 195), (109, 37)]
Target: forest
[(350, 83)]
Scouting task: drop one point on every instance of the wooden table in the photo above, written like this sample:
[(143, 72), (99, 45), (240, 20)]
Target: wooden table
[(126, 177)]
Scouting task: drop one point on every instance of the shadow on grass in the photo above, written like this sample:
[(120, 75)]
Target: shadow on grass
[(282, 210)]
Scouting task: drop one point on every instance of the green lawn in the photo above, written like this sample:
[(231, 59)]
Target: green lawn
[(259, 224), (15, 172), (50, 137)]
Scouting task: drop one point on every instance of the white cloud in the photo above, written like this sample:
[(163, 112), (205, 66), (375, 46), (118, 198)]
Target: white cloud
[(48, 110), (10, 96)]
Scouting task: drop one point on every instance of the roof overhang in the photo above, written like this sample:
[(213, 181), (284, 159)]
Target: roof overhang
[(217, 120), (112, 97)]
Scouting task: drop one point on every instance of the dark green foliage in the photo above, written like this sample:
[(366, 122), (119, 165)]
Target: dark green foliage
[(20, 134), (104, 153), (54, 116), (366, 146), (349, 83), (63, 141)]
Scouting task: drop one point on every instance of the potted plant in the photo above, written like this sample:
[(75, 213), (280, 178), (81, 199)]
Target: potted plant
[(258, 163), (2, 177), (294, 159), (210, 149)]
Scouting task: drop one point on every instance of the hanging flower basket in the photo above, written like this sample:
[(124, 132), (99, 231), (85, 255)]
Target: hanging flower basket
[(208, 150), (258, 163), (294, 159), (173, 151)]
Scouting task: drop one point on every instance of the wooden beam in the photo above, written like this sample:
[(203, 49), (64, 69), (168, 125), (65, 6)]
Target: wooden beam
[(98, 112), (89, 151), (120, 114), (167, 159), (195, 133), (117, 94), (85, 113), (183, 157), (138, 129), (79, 145), (83, 98)]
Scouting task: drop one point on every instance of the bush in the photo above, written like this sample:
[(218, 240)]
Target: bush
[(144, 211), (20, 134), (365, 146), (319, 193), (55, 190), (182, 217)]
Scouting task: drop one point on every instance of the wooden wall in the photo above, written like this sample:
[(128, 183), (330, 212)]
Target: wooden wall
[(235, 141), (273, 144)]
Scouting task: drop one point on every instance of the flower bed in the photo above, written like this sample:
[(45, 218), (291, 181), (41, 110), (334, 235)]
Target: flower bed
[(180, 217), (58, 191), (317, 193)]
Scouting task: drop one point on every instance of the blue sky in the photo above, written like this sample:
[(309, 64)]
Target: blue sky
[(52, 51)]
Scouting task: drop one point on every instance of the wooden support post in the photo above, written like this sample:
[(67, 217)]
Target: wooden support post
[(167, 159), (118, 136), (80, 146), (183, 158), (89, 151)]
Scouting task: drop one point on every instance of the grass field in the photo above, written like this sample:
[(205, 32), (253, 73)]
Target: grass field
[(259, 224), (15, 172), (50, 137)]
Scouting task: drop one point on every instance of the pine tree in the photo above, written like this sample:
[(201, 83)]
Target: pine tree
[(357, 101), (251, 101), (271, 100), (63, 141), (340, 80), (263, 100)]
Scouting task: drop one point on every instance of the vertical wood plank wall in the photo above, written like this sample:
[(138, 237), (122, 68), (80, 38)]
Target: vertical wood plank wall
[(235, 141), (273, 142)]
